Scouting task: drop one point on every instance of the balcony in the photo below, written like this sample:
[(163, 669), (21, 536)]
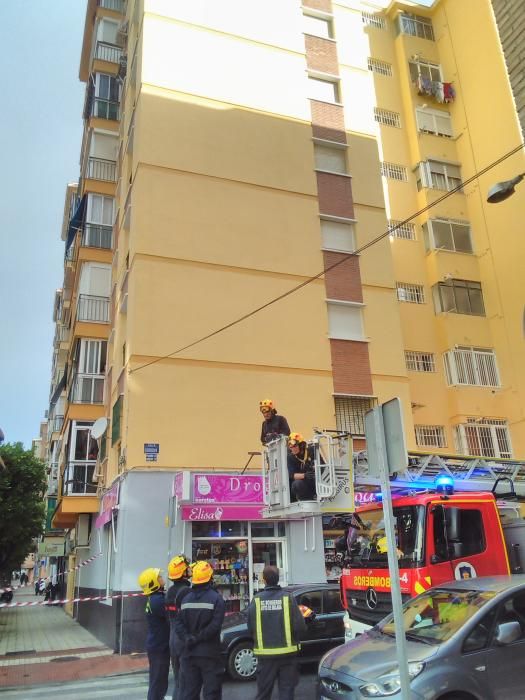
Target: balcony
[(87, 388), (115, 5), (78, 479), (108, 52), (101, 169), (93, 309), (97, 236), (56, 424)]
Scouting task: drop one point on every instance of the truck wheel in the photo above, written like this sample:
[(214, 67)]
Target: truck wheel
[(242, 662)]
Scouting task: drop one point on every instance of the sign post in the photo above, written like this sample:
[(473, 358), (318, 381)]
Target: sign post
[(387, 454)]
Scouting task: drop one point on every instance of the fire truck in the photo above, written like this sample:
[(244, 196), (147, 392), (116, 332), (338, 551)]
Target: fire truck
[(456, 517)]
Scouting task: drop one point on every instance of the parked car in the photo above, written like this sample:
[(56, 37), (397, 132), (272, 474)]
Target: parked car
[(465, 641), (324, 633)]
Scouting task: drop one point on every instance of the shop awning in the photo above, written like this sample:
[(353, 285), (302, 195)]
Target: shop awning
[(76, 222)]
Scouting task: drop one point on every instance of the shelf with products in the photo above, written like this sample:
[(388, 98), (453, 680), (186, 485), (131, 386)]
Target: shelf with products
[(229, 560)]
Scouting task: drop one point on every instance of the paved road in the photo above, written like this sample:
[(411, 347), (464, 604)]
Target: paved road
[(134, 687)]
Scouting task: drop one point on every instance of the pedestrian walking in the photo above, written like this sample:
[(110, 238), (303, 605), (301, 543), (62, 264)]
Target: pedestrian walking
[(178, 572), (199, 623), (158, 639), (277, 626)]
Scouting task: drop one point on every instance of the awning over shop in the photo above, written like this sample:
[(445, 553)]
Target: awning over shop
[(76, 222)]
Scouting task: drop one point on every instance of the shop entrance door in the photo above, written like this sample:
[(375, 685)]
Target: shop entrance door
[(267, 554)]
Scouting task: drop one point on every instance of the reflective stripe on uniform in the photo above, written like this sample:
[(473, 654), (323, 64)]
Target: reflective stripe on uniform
[(260, 649), (258, 620), (287, 630), (197, 606)]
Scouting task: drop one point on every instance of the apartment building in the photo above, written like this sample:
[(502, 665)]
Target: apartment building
[(232, 151)]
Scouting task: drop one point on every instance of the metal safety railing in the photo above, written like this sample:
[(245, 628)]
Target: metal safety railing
[(93, 308)]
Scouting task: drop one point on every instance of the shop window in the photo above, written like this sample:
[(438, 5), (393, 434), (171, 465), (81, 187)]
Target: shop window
[(263, 529), (229, 560), (204, 529), (313, 600), (281, 529), (332, 602)]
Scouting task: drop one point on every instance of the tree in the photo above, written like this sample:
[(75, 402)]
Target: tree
[(22, 508)]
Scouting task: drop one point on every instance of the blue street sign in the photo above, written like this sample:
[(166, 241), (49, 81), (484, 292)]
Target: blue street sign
[(151, 448), (151, 457)]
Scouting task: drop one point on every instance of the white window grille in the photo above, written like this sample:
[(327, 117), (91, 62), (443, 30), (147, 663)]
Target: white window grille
[(471, 366), (417, 361), (430, 436), (425, 70), (350, 413), (438, 175), (415, 25), (399, 230), (370, 19), (330, 158), (447, 234), (386, 117), (459, 297), (394, 171), (323, 90), (434, 121), (380, 67), (484, 437), (412, 293)]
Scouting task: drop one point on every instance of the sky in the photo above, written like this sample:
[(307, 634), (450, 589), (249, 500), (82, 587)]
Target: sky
[(40, 137)]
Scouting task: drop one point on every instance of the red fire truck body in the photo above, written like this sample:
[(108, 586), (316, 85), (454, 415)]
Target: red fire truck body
[(439, 538)]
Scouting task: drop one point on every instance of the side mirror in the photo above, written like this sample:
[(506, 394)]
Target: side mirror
[(434, 559), (507, 632)]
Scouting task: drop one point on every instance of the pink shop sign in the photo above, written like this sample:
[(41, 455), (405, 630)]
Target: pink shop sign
[(227, 488), (197, 512), (109, 503)]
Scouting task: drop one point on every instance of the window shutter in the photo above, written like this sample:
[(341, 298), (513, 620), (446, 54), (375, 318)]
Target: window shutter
[(345, 322), (338, 236), (443, 124), (330, 158), (425, 120)]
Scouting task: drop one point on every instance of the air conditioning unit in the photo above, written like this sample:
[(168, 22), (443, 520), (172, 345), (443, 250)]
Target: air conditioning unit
[(82, 530)]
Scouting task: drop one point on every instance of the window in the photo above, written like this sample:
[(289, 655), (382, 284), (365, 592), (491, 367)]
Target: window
[(513, 610), (471, 366), (380, 67), (345, 321), (458, 532), (419, 361), (430, 436), (459, 297), (370, 19), (415, 25), (386, 117), (338, 236), (438, 175), (484, 437), (480, 635), (330, 158), (115, 420), (425, 70), (434, 121), (350, 413), (412, 293), (323, 90), (107, 95), (331, 602), (317, 26), (88, 376), (99, 222), (447, 235), (82, 446), (394, 171), (312, 599), (405, 230)]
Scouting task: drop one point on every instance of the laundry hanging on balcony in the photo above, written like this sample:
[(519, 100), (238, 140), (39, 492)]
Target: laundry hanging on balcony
[(76, 222), (441, 92)]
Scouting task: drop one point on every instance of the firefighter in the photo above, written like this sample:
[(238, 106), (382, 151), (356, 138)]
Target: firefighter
[(178, 572), (198, 622), (276, 625), (301, 469), (158, 639), (273, 425)]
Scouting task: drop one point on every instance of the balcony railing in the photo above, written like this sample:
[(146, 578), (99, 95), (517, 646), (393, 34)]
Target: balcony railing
[(78, 479), (92, 308), (101, 169), (115, 5), (87, 388), (97, 236), (108, 52), (52, 486), (56, 424)]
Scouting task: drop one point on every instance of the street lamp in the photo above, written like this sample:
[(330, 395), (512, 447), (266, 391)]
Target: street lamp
[(503, 190)]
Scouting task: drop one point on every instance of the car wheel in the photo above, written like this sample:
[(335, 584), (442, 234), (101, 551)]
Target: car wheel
[(242, 662)]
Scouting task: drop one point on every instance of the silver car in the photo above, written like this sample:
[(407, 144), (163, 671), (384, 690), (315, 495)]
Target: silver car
[(465, 641)]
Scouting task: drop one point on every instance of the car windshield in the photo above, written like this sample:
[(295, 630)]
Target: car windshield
[(435, 616), (366, 539)]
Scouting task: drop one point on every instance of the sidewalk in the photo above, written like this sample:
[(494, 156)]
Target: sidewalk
[(42, 644)]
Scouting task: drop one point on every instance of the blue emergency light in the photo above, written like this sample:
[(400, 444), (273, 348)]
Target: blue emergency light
[(444, 484)]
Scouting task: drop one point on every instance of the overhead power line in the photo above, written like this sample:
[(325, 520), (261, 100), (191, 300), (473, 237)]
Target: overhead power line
[(342, 260)]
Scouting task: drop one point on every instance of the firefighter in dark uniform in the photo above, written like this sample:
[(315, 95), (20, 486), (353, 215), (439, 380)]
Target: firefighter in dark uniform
[(273, 424), (277, 626), (301, 469), (178, 572), (198, 622), (158, 639)]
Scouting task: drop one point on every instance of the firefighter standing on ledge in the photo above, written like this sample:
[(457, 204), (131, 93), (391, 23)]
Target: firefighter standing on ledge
[(277, 625)]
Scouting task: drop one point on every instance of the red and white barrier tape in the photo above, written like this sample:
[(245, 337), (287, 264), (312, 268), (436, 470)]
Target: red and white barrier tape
[(62, 573), (32, 604)]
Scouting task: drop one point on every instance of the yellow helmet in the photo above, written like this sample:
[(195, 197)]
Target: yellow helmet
[(201, 572), (177, 567), (382, 545), (295, 439), (149, 580), (266, 403)]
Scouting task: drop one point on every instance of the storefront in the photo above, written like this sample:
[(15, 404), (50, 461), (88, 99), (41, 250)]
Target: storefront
[(219, 517)]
